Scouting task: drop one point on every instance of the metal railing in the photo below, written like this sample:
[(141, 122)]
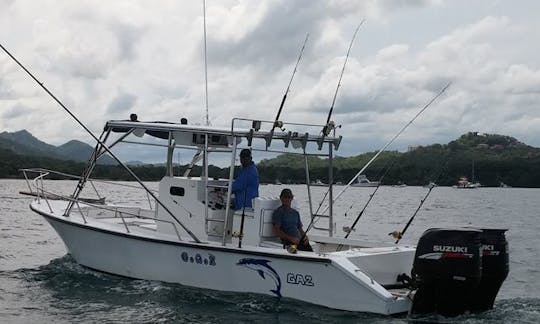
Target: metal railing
[(36, 185)]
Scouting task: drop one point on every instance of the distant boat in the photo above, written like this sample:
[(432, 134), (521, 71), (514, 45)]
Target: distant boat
[(363, 181), (400, 185), (504, 185), (464, 183)]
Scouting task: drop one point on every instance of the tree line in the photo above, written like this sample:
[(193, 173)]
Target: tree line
[(490, 159)]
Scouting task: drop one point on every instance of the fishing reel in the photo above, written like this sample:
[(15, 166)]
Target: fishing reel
[(348, 229), (237, 235), (279, 124), (396, 235), (292, 249), (330, 126)]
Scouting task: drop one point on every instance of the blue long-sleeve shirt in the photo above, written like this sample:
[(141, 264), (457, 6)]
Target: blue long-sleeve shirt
[(246, 186)]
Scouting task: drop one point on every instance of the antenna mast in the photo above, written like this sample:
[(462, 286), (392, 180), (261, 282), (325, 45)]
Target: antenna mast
[(205, 64)]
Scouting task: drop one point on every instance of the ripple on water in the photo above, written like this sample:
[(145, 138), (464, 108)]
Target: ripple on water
[(64, 292), (74, 293)]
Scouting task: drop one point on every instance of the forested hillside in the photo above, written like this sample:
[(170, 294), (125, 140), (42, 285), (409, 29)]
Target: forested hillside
[(493, 159)]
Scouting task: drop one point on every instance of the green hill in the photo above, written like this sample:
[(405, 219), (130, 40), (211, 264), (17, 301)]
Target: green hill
[(496, 159)]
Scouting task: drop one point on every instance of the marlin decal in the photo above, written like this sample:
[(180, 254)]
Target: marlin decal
[(263, 268)]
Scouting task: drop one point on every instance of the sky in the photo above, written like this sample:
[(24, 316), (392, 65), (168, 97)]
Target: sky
[(105, 60)]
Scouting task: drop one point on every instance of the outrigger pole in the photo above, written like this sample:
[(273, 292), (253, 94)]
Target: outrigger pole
[(277, 123), (368, 201), (102, 145), (205, 65), (392, 140), (329, 126)]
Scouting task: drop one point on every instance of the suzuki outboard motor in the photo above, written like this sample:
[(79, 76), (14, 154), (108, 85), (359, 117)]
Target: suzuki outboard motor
[(459, 270), (447, 271), (494, 268)]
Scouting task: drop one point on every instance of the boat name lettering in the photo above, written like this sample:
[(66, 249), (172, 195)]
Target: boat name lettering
[(300, 279), (449, 248), (198, 259)]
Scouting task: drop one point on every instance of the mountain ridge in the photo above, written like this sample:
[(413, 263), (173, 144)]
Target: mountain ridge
[(24, 143)]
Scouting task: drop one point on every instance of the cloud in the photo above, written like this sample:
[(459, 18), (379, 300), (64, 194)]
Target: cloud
[(122, 103), (104, 62), (15, 111)]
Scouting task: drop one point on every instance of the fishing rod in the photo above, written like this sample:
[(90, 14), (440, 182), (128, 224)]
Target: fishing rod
[(382, 149), (277, 123), (398, 235), (330, 125), (369, 200), (100, 143), (391, 141), (242, 220)]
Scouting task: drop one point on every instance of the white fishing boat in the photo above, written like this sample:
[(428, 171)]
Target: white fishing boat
[(363, 181), (189, 234)]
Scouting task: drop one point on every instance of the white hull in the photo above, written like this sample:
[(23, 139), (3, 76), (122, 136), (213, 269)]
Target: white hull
[(333, 280)]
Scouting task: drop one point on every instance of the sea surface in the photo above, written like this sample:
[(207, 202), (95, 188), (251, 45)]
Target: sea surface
[(40, 283)]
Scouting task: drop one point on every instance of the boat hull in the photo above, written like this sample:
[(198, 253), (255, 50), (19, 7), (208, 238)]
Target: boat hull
[(326, 281)]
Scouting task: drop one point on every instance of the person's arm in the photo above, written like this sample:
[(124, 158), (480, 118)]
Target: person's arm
[(282, 235), (300, 228), (239, 183), (252, 176)]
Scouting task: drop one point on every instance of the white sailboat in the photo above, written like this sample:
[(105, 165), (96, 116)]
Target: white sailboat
[(464, 183)]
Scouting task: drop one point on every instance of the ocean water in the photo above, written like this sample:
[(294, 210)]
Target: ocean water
[(39, 282)]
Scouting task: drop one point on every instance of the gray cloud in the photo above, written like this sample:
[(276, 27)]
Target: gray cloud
[(15, 111), (122, 103), (105, 61)]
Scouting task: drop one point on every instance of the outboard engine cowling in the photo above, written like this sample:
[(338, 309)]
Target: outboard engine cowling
[(447, 270), (495, 268)]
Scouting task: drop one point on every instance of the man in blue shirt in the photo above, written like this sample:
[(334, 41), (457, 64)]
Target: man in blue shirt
[(246, 185), (287, 224)]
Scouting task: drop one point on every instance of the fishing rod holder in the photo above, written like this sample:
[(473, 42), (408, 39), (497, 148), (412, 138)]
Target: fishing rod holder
[(298, 139), (249, 136), (256, 125)]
